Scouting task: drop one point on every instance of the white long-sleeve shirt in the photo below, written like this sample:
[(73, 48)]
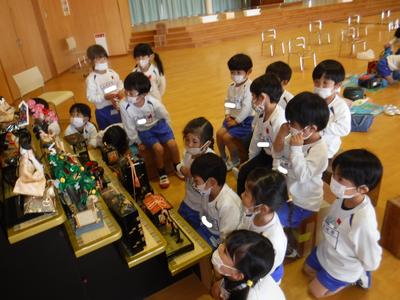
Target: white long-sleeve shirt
[(224, 212), (285, 98), (266, 131), (350, 241), (89, 133), (142, 118), (339, 125), (96, 84), (192, 196), (157, 80), (305, 165), (393, 62), (240, 97), (274, 232)]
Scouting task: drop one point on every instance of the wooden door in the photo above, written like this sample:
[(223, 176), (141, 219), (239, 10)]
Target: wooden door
[(10, 52)]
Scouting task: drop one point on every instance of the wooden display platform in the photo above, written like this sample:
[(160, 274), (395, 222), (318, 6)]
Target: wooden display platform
[(190, 32)]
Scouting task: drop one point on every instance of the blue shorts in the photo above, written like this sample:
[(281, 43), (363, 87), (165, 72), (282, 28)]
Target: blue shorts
[(383, 68), (298, 214), (277, 275), (323, 276), (107, 116), (160, 133), (241, 130), (212, 239), (190, 215)]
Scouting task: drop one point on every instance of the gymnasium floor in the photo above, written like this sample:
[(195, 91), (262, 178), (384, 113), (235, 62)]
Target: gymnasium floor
[(197, 81)]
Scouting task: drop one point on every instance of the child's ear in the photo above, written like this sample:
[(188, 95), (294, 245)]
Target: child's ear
[(284, 82), (213, 181), (265, 97), (249, 72), (338, 85), (363, 189)]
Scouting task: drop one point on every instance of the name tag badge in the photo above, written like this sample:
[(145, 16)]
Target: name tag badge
[(282, 170), (230, 105), (263, 144), (110, 89), (141, 121), (114, 112)]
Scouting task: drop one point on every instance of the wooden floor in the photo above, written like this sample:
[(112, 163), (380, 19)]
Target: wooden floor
[(197, 81)]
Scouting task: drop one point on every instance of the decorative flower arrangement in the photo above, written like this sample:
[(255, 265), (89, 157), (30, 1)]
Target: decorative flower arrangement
[(40, 112)]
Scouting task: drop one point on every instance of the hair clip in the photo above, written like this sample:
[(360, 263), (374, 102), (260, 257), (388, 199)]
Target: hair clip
[(249, 283)]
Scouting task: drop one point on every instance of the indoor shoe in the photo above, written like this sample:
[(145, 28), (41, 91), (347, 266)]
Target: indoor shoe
[(391, 110), (231, 164), (164, 182), (180, 175)]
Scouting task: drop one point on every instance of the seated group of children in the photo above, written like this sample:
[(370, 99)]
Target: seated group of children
[(292, 140)]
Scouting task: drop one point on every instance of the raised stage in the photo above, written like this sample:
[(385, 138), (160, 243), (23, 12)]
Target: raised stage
[(191, 32)]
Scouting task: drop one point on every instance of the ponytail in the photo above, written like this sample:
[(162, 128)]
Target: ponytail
[(158, 63)]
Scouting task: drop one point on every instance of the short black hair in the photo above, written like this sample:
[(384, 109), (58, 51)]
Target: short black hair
[(137, 81), (200, 127), (267, 187), (397, 33), (359, 166), (96, 51), (116, 136), (41, 101), (209, 165), (142, 49), (25, 139), (82, 108), (240, 62), (281, 69), (306, 109), (330, 69), (268, 84)]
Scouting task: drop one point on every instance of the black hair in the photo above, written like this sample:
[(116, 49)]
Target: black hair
[(41, 101), (268, 84), (307, 109), (240, 62), (330, 69), (359, 166), (137, 81), (81, 108), (202, 128), (25, 139), (116, 136), (209, 165), (267, 187), (145, 49), (397, 33), (281, 69), (96, 51), (253, 255)]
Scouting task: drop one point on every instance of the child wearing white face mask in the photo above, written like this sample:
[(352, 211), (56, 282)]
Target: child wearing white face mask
[(304, 156), (264, 194), (144, 56), (198, 137), (221, 208), (266, 91), (147, 123), (349, 250), (245, 260), (79, 123), (328, 76), (238, 109), (103, 88)]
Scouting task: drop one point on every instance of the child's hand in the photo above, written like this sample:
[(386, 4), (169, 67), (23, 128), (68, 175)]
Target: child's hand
[(121, 94), (297, 140), (284, 130), (115, 103), (231, 122), (185, 171), (227, 117)]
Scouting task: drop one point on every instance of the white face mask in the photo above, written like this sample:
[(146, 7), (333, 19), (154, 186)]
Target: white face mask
[(238, 79), (259, 108), (77, 122), (131, 99), (143, 63), (339, 190), (218, 264), (202, 190), (101, 66), (252, 211), (294, 131), (324, 92), (198, 150)]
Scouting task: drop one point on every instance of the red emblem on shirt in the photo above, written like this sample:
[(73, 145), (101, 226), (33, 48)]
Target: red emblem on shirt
[(338, 221)]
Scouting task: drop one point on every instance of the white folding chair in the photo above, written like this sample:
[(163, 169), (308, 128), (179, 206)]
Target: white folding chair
[(349, 36), (298, 47), (31, 79), (269, 38), (79, 55), (315, 29)]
